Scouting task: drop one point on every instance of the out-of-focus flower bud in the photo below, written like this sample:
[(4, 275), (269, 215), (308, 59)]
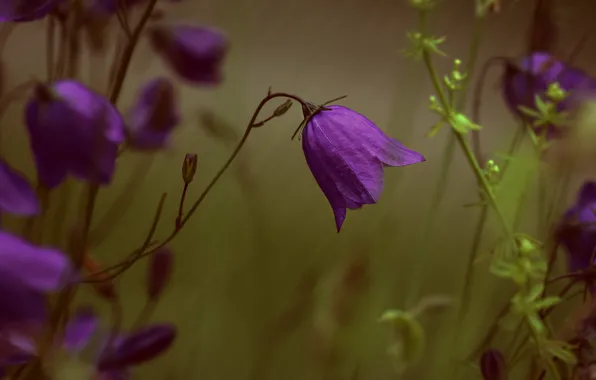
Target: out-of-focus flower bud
[(492, 365), (189, 167), (160, 271)]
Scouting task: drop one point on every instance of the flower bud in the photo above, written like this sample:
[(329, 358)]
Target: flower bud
[(189, 168), (194, 53), (140, 347), (492, 365), (283, 108), (160, 271)]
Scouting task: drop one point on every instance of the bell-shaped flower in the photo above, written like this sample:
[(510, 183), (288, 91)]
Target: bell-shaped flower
[(25, 10), (117, 354), (195, 53), (73, 130), (576, 231), (154, 115), (16, 194), (347, 153), (521, 86), (27, 274)]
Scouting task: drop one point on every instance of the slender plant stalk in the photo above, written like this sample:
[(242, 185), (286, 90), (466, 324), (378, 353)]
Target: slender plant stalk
[(446, 159)]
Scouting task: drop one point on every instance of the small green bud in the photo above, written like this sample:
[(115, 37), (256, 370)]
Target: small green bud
[(462, 124), (526, 245), (283, 108), (556, 93)]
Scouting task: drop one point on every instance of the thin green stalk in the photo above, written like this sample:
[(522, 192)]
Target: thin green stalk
[(446, 158), (466, 148)]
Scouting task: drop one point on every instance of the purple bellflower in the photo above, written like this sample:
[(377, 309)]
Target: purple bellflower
[(27, 274), (16, 194), (577, 229), (537, 71), (114, 362), (154, 115), (347, 153), (25, 10), (195, 53), (73, 130)]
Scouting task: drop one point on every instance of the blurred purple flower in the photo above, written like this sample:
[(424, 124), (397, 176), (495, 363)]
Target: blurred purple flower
[(25, 10), (27, 274), (160, 271), (139, 347), (113, 363), (577, 229), (73, 130), (195, 53), (347, 153), (16, 195), (109, 7), (154, 116), (537, 71)]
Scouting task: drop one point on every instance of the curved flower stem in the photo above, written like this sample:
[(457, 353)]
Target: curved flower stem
[(138, 254)]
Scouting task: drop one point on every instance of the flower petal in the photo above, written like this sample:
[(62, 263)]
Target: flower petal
[(41, 269), (16, 195), (346, 159), (80, 329), (140, 347), (195, 53), (326, 184), (587, 193), (390, 151), (73, 130), (21, 305), (154, 116)]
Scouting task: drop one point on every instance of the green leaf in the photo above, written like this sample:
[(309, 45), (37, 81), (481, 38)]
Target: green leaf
[(535, 292), (561, 350), (536, 324), (435, 128), (547, 302), (529, 112)]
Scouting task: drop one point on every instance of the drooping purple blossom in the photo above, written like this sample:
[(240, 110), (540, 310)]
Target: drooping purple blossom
[(117, 355), (27, 274), (532, 78), (73, 131), (16, 194), (577, 229), (25, 10), (139, 347), (347, 153), (154, 115), (195, 53)]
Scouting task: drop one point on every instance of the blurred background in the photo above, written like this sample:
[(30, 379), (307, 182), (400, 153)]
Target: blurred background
[(260, 266)]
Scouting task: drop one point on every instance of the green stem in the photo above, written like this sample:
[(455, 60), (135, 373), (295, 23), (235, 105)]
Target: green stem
[(465, 146)]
